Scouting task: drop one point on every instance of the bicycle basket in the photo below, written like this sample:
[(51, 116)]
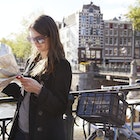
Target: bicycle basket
[(102, 108)]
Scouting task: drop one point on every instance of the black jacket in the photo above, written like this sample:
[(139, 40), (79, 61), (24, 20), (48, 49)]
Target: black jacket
[(46, 110)]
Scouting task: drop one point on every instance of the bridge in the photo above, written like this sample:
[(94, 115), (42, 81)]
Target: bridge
[(127, 74)]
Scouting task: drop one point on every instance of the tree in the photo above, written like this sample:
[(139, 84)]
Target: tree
[(18, 42), (20, 46), (134, 15)]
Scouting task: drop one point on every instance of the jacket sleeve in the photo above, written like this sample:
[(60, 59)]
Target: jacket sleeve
[(54, 98), (12, 90)]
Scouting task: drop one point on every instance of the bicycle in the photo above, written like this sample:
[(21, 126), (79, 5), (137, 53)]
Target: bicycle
[(110, 128)]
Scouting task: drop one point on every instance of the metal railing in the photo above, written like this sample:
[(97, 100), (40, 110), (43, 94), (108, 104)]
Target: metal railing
[(115, 69), (69, 118), (5, 116), (74, 94)]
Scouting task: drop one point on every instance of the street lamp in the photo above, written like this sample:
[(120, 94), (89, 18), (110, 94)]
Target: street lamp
[(124, 51), (87, 51)]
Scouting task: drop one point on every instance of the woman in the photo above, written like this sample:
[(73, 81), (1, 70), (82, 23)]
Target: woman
[(46, 83)]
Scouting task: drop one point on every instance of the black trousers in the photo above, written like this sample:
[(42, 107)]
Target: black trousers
[(20, 135)]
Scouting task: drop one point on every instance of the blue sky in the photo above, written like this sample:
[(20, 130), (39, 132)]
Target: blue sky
[(13, 11)]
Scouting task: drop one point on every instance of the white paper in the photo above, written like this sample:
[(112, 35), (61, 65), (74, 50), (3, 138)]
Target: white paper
[(8, 67)]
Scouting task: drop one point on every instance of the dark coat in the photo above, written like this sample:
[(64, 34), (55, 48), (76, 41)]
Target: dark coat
[(46, 111)]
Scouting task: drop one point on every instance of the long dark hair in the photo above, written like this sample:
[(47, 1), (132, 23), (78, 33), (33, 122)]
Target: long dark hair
[(46, 26)]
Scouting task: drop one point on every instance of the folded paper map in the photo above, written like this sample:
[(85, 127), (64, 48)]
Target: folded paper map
[(8, 66)]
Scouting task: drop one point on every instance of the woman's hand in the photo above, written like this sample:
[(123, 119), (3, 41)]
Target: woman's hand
[(30, 85)]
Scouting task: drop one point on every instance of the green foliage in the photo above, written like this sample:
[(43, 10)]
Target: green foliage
[(134, 15), (18, 42), (20, 46)]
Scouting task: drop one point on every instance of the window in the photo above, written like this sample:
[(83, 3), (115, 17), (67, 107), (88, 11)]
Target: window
[(129, 51), (137, 42), (97, 41), (90, 10), (83, 31), (129, 33), (125, 41), (121, 25), (111, 32), (97, 32), (87, 53), (115, 25), (125, 26), (129, 42), (111, 25), (91, 31), (106, 40), (121, 33), (110, 40), (91, 19), (110, 51), (106, 32), (83, 42), (83, 19), (129, 26), (125, 32), (106, 51), (106, 25), (121, 41), (82, 53), (98, 20), (98, 54), (115, 51), (115, 41), (115, 32), (92, 53)]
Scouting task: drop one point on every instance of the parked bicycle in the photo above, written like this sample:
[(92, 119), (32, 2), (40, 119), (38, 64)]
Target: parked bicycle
[(105, 110)]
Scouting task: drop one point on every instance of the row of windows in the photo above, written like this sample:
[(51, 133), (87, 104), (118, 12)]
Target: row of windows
[(118, 25), (116, 32), (90, 19), (91, 31), (87, 14), (117, 52), (91, 54), (91, 41), (94, 26), (118, 41)]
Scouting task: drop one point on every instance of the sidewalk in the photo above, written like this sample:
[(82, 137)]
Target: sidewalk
[(79, 131)]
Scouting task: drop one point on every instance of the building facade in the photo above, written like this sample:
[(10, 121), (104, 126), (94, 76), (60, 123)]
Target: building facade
[(90, 34), (118, 42), (88, 38), (82, 35)]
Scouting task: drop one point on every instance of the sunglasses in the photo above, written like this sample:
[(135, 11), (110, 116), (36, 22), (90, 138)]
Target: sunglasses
[(38, 39)]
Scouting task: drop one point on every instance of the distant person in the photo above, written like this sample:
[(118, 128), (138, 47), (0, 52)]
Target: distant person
[(46, 83)]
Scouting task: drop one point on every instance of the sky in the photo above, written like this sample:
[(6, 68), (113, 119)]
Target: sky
[(12, 12)]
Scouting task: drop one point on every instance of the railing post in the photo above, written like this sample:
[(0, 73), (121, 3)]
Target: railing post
[(69, 120)]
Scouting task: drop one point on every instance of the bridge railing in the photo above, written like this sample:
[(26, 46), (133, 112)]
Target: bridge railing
[(6, 115), (69, 119), (115, 69)]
